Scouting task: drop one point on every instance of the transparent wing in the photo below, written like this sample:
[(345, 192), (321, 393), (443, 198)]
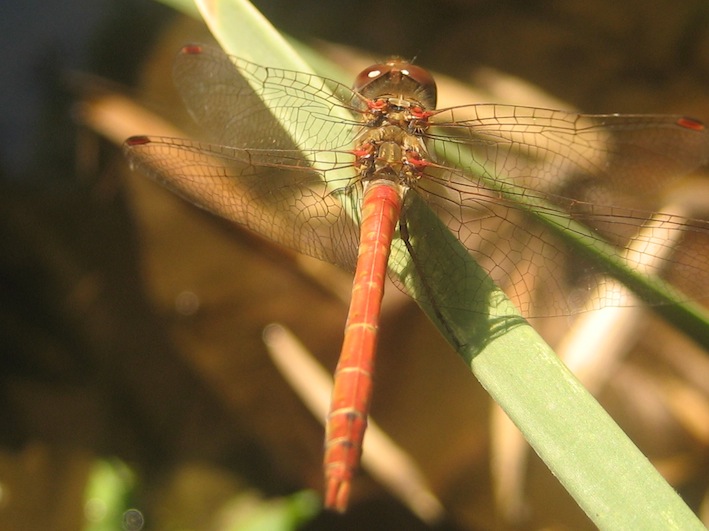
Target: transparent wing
[(605, 159), (240, 104), (283, 196)]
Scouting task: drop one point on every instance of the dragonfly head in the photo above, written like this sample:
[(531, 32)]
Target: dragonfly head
[(397, 79)]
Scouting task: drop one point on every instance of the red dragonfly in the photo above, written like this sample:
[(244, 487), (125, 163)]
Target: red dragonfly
[(383, 147)]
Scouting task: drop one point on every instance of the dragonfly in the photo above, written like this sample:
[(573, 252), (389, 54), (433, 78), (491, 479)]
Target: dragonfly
[(382, 150)]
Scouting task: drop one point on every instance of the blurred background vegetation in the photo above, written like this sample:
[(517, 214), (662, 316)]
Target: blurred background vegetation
[(131, 322)]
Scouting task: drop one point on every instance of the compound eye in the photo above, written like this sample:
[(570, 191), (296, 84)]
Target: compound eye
[(369, 75), (419, 75)]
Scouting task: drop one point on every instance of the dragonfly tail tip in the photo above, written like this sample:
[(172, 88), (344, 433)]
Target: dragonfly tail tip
[(337, 494)]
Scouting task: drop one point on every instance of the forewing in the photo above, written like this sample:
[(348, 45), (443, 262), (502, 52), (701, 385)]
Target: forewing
[(614, 160), (241, 104)]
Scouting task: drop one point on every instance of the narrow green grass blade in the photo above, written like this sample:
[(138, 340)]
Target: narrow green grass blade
[(242, 30), (610, 479), (601, 468)]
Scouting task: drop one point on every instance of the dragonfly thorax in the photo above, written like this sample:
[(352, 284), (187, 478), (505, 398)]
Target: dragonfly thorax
[(405, 114), (391, 153)]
